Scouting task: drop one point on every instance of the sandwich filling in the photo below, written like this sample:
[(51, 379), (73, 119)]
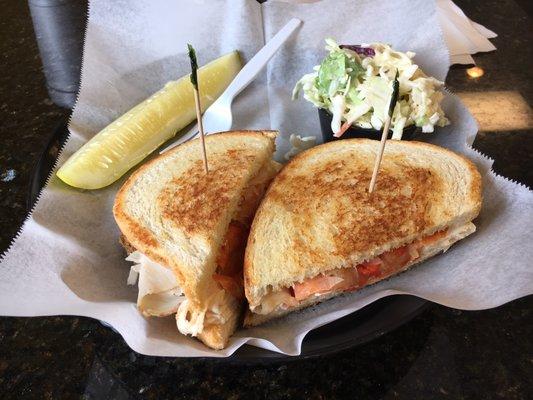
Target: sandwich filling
[(363, 274), (159, 291), (160, 295), (230, 257), (191, 320)]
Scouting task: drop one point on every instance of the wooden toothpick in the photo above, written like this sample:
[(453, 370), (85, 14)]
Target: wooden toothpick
[(194, 81), (384, 134)]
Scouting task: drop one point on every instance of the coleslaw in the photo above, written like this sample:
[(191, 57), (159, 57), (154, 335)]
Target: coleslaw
[(354, 83)]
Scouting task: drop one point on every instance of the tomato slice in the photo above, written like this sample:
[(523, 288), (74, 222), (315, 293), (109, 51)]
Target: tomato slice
[(346, 279), (394, 259), (369, 269), (350, 278), (342, 279), (316, 285), (230, 258)]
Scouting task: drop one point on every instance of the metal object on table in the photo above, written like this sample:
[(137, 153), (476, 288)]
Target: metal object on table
[(59, 29)]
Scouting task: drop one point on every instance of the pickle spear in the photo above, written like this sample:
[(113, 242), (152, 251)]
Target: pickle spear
[(133, 136)]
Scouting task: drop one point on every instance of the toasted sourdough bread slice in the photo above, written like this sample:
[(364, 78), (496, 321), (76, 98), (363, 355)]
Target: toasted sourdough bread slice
[(216, 335), (317, 215), (177, 215)]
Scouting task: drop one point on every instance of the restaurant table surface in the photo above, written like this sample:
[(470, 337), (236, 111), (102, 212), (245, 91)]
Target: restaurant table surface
[(442, 353)]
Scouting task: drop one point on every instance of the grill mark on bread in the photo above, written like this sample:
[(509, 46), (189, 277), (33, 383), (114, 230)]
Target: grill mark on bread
[(195, 201), (398, 208)]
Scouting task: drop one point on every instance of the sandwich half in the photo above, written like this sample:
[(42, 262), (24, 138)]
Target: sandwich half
[(319, 233), (186, 229)]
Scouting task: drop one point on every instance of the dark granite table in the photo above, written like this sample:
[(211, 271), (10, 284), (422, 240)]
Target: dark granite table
[(442, 353)]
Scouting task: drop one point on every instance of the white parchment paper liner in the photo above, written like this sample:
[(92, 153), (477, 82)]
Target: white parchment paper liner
[(67, 260)]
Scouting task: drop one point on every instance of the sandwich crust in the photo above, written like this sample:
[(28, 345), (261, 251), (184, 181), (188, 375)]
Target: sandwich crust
[(317, 214)]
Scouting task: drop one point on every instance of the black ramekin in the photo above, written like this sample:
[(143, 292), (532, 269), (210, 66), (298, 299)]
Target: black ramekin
[(354, 131)]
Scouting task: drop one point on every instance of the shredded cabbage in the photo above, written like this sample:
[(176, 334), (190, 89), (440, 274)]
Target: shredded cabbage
[(355, 87)]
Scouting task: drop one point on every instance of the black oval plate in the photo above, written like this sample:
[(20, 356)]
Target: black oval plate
[(360, 327)]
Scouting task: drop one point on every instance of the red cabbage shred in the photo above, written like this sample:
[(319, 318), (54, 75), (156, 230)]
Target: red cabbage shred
[(365, 51)]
